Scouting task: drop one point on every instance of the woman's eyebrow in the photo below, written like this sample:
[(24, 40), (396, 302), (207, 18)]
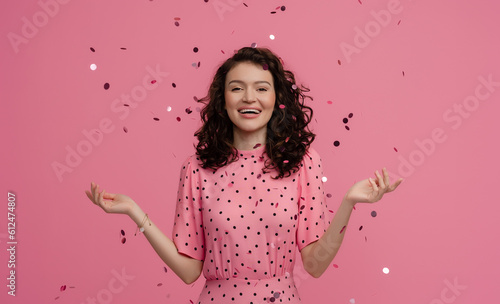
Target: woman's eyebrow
[(256, 82)]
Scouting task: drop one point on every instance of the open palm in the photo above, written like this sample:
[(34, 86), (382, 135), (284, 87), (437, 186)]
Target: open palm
[(371, 190), (110, 202)]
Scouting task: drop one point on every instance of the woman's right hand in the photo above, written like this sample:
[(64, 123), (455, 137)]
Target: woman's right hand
[(110, 202)]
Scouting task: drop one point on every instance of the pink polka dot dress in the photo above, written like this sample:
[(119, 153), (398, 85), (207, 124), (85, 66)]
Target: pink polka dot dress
[(246, 227)]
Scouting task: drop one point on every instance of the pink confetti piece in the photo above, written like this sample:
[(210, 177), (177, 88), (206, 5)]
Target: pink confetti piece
[(295, 217), (360, 2), (156, 118), (165, 268), (124, 240), (125, 129), (188, 110), (177, 18), (178, 119), (191, 301), (343, 228), (159, 284), (256, 203), (328, 195), (329, 102), (395, 149), (294, 87), (122, 48), (256, 146), (331, 211), (302, 207), (360, 227), (254, 45), (176, 23), (249, 267), (106, 86), (236, 269), (265, 66), (399, 22), (285, 161), (222, 52), (302, 198), (287, 139), (282, 106), (366, 240), (259, 176), (92, 49), (122, 232), (230, 184), (403, 73), (276, 205), (153, 81), (354, 207), (339, 62), (63, 288), (335, 266), (56, 298)]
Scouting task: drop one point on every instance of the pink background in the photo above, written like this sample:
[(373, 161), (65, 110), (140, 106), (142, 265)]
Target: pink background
[(438, 230)]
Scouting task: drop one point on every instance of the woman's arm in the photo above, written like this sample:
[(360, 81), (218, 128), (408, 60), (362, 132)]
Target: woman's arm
[(185, 267), (318, 255)]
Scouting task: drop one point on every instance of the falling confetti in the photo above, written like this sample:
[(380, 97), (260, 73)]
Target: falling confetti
[(328, 195), (153, 81), (385, 270), (329, 102), (195, 49), (324, 179), (283, 8), (282, 106), (374, 213), (343, 228), (345, 120), (265, 66), (399, 22), (106, 86), (122, 48), (93, 66), (403, 73), (360, 228), (245, 4), (352, 301), (125, 129), (159, 284), (176, 23), (122, 232), (178, 119), (165, 268), (188, 110), (339, 62), (350, 115), (124, 240), (254, 45), (156, 118), (335, 266), (63, 288), (294, 87), (92, 49), (336, 143), (395, 149), (256, 146), (285, 161)]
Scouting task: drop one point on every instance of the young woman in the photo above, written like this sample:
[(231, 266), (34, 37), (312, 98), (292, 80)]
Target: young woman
[(253, 192)]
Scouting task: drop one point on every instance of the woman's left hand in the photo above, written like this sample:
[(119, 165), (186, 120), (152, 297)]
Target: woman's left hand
[(371, 190)]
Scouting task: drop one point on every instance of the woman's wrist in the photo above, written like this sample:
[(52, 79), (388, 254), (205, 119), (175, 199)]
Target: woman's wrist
[(136, 214), (348, 201)]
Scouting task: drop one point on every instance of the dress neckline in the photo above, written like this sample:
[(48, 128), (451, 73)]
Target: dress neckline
[(257, 151)]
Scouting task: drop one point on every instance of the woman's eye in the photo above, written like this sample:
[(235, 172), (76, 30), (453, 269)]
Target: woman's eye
[(263, 89), (235, 89)]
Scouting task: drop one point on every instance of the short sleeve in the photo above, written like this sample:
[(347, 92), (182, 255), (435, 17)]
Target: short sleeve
[(312, 222), (187, 233)]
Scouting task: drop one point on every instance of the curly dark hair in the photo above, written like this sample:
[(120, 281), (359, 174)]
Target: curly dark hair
[(288, 134)]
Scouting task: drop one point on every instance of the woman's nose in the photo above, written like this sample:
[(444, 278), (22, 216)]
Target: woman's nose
[(249, 96)]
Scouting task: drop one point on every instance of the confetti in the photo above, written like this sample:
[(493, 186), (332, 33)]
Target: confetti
[(360, 2), (63, 287), (329, 102), (195, 49), (328, 195), (245, 4), (256, 146), (343, 228), (350, 115), (265, 66), (282, 106), (336, 143), (302, 207), (283, 8), (324, 179), (345, 120), (287, 139), (335, 266), (153, 81), (159, 284), (178, 119), (374, 213), (254, 45), (331, 211), (256, 203), (125, 129), (347, 128), (122, 232), (360, 227), (285, 161), (403, 73), (352, 301), (93, 66), (165, 268), (188, 110), (122, 48), (124, 240), (339, 62), (169, 108), (271, 37), (385, 270), (399, 22), (294, 87), (156, 118), (176, 23), (106, 86), (92, 49), (273, 12), (177, 18), (276, 294), (295, 217)]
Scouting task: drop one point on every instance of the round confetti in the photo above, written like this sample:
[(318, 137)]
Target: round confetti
[(347, 128), (63, 287), (176, 23), (169, 108), (335, 266), (328, 195), (188, 110), (93, 66), (178, 119), (283, 8), (195, 50), (254, 45), (339, 62), (294, 87), (106, 86), (124, 240), (276, 295), (336, 143), (374, 213), (385, 270), (329, 102), (345, 120), (265, 66), (324, 179), (350, 115), (92, 49), (271, 37)]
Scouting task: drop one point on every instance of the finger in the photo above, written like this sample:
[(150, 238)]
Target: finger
[(381, 183), (396, 184), (89, 196), (386, 176), (374, 185)]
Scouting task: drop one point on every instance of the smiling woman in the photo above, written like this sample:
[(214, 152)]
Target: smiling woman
[(236, 223)]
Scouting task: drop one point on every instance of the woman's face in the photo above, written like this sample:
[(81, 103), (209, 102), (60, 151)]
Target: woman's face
[(250, 98)]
